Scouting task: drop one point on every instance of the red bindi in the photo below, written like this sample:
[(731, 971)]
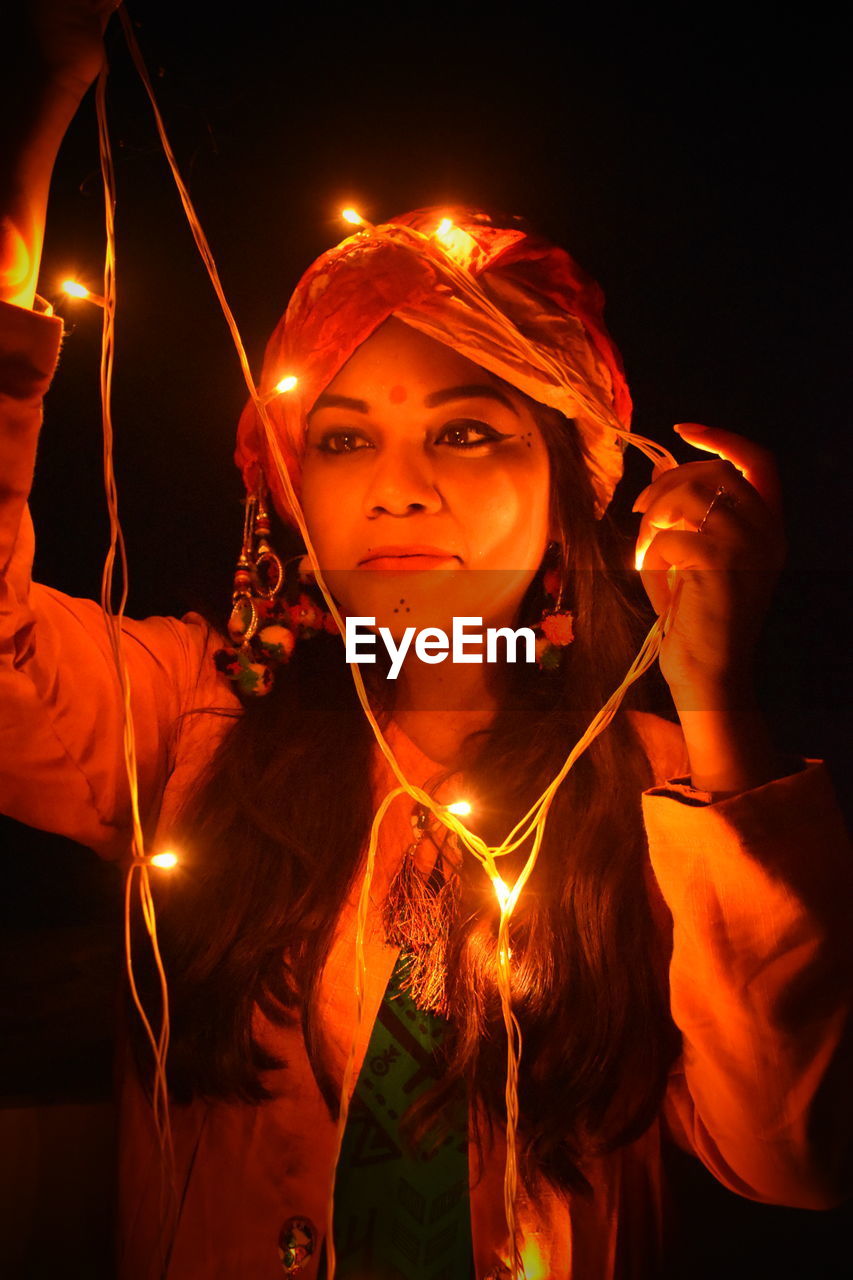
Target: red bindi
[(398, 394)]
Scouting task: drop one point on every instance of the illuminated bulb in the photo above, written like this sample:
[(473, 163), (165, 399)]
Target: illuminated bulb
[(502, 892), (287, 383), (460, 807), (164, 860), (354, 218), (443, 227), (75, 290)]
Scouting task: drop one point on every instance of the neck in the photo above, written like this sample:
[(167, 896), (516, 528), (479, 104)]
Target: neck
[(438, 706)]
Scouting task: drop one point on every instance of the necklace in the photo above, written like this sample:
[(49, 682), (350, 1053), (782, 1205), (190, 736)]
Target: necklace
[(419, 913)]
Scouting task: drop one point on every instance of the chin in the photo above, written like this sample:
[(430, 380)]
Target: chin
[(432, 598)]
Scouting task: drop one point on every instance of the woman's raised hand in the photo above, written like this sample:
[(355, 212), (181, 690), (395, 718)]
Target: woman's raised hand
[(62, 40), (718, 521), (54, 50)]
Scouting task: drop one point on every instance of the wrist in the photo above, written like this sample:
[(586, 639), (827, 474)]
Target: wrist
[(729, 745), (43, 98), (724, 694), (54, 59)]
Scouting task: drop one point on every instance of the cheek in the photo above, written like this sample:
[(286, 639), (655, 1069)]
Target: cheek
[(512, 514), (324, 507), (313, 511)]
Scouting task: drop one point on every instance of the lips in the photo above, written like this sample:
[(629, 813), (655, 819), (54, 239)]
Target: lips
[(407, 557)]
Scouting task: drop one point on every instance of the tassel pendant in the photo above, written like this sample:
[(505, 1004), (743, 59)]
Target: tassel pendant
[(418, 916)]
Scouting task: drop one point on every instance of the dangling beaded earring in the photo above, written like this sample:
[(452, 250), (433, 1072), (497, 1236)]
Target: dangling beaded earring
[(259, 634), (556, 626), (263, 625)]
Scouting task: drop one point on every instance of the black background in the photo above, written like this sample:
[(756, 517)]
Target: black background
[(697, 166)]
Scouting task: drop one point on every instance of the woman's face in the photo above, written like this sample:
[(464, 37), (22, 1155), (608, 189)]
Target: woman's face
[(425, 486)]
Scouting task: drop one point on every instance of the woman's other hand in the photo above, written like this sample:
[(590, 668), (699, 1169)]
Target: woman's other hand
[(728, 548)]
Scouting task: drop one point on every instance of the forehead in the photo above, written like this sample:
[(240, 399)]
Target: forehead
[(398, 361)]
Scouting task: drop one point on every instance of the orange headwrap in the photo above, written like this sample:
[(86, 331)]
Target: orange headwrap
[(509, 301)]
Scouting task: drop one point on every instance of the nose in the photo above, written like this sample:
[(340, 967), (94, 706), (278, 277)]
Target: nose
[(402, 480)]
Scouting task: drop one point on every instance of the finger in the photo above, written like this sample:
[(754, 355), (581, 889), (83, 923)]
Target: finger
[(688, 490), (694, 495), (724, 541), (685, 549), (722, 525), (672, 549), (755, 463), (706, 474)]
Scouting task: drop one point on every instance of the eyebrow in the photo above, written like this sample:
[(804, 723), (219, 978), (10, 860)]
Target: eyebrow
[(470, 391), (330, 401)]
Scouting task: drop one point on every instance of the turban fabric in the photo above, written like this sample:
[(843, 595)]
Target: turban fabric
[(507, 300)]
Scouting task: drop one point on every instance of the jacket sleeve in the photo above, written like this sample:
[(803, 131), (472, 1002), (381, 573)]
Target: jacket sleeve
[(760, 890), (61, 753)]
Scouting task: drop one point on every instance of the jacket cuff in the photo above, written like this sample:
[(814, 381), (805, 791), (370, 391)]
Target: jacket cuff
[(791, 828), (29, 343), (682, 789)]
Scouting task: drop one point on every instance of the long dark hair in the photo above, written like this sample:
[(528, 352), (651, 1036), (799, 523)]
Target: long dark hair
[(273, 837)]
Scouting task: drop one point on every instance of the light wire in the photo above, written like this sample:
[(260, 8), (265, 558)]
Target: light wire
[(113, 618)]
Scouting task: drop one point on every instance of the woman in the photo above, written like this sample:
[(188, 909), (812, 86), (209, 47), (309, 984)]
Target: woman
[(678, 963)]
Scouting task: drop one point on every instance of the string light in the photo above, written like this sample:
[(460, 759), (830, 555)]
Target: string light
[(138, 866), (502, 892), (444, 227), (460, 807), (166, 859), (354, 218), (76, 290), (285, 384)]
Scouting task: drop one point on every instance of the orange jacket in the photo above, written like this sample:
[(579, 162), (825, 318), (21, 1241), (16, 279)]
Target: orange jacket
[(756, 890)]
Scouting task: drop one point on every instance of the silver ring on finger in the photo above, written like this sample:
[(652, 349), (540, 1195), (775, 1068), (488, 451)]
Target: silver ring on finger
[(723, 497)]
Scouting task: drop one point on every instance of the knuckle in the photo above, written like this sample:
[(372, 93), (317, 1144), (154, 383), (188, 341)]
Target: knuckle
[(697, 486), (732, 557)]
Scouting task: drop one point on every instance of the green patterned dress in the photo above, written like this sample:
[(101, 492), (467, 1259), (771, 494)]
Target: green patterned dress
[(401, 1214)]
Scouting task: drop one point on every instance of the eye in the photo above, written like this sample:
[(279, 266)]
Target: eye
[(342, 442), (467, 433)]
